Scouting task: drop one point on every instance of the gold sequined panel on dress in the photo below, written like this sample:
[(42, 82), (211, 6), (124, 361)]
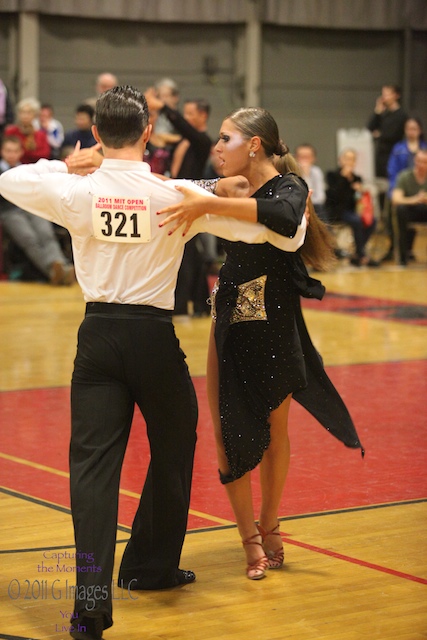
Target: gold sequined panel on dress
[(211, 299), (250, 303)]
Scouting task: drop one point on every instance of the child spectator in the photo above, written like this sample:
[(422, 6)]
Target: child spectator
[(52, 128)]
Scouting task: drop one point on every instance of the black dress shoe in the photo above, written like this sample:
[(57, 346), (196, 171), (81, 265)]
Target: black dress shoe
[(373, 263), (149, 584), (87, 628)]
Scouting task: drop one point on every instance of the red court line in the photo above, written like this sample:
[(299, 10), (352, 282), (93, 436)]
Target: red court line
[(361, 563)]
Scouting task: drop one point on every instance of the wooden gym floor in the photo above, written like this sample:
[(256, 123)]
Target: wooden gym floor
[(354, 530)]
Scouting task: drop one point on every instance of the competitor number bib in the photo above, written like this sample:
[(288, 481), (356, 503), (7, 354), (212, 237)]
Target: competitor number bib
[(117, 219)]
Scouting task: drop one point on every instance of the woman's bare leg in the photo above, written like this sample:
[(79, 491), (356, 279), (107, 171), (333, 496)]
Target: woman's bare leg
[(273, 471), (240, 491), (212, 386)]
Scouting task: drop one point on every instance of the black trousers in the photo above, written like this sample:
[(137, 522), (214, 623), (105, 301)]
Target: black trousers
[(406, 214), (192, 283), (128, 355)]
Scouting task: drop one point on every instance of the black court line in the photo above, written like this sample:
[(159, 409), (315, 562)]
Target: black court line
[(7, 637), (49, 505), (317, 514), (223, 527)]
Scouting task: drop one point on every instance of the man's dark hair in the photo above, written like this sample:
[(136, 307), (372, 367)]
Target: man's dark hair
[(86, 108), (394, 87), (121, 116), (201, 105), (305, 145)]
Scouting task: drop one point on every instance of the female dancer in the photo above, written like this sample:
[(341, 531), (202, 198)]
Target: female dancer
[(260, 354)]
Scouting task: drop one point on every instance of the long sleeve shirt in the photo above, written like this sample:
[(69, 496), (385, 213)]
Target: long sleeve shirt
[(196, 156), (120, 253)]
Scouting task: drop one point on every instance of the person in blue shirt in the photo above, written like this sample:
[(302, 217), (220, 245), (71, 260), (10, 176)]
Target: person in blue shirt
[(83, 132), (403, 152)]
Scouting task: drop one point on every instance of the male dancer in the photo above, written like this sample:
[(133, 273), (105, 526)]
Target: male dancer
[(127, 352)]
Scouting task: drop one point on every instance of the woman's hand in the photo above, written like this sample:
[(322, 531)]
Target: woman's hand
[(84, 161), (193, 206)]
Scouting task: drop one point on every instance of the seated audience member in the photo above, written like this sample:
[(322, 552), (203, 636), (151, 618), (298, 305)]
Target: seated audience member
[(33, 235), (344, 189), (52, 128), (410, 198), (305, 155), (104, 82), (34, 142), (403, 153), (83, 132)]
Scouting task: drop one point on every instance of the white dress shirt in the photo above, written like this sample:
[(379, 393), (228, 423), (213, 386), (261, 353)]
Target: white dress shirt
[(316, 182), (124, 270)]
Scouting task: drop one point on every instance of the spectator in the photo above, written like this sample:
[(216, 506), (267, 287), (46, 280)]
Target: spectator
[(157, 152), (192, 152), (410, 198), (387, 125), (104, 82), (35, 236), (168, 93), (403, 153), (189, 161), (83, 131), (52, 128), (6, 110), (343, 192), (305, 155), (34, 143)]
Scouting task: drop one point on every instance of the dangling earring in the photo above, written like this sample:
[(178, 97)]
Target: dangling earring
[(252, 154)]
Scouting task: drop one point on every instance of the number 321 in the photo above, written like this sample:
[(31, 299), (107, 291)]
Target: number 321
[(121, 219)]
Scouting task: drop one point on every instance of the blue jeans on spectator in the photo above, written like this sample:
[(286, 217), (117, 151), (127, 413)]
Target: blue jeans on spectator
[(360, 232)]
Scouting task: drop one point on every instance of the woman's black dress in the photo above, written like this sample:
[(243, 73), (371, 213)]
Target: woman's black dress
[(264, 350)]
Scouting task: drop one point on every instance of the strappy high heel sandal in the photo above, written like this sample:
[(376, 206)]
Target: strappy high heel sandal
[(257, 569), (275, 558)]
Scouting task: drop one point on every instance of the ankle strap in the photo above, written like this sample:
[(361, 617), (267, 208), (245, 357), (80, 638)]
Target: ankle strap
[(265, 533), (251, 540)]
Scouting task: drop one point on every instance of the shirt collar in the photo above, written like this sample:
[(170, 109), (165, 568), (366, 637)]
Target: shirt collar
[(125, 165)]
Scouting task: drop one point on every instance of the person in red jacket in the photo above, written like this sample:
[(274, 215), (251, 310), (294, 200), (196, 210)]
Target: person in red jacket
[(34, 142)]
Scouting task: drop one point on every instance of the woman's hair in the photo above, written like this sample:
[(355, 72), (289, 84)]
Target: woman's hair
[(29, 103), (254, 121), (419, 123), (318, 248)]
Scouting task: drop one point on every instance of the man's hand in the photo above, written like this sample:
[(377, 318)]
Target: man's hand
[(84, 161), (421, 197), (379, 105)]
